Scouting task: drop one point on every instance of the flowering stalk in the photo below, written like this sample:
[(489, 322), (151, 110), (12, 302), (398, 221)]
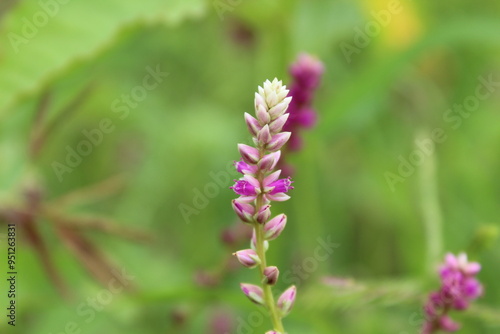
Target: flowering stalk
[(259, 186), (459, 287), (306, 73)]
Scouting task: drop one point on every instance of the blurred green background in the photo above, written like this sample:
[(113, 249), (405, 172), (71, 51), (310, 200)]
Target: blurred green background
[(391, 77)]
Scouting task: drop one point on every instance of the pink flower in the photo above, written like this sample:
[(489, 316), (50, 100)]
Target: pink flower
[(458, 289), (244, 168), (244, 188), (306, 72), (275, 189)]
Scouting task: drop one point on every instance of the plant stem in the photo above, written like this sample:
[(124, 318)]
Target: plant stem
[(268, 293), (431, 210), (261, 252)]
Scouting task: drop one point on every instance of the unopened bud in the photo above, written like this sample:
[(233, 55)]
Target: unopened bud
[(264, 135), (280, 108), (269, 161), (274, 227), (271, 275), (244, 211), (263, 214), (286, 300), (249, 154), (252, 124), (278, 141), (253, 292), (248, 258), (277, 125)]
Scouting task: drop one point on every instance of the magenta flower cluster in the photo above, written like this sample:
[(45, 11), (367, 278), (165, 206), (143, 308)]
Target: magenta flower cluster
[(458, 288), (259, 186), (306, 73)]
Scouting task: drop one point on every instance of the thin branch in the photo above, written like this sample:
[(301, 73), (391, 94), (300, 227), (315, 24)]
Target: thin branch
[(70, 108), (92, 193)]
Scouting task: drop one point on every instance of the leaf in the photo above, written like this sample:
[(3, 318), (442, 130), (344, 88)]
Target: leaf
[(39, 42)]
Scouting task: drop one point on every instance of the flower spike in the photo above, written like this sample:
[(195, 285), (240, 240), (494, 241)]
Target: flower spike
[(259, 186)]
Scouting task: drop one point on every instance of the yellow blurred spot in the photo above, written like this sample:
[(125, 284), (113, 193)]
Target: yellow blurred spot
[(399, 21)]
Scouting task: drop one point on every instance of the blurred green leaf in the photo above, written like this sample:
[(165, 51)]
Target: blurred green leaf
[(39, 43)]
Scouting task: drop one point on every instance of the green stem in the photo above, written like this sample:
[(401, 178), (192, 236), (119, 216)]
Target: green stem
[(268, 293), (261, 252), (431, 210)]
